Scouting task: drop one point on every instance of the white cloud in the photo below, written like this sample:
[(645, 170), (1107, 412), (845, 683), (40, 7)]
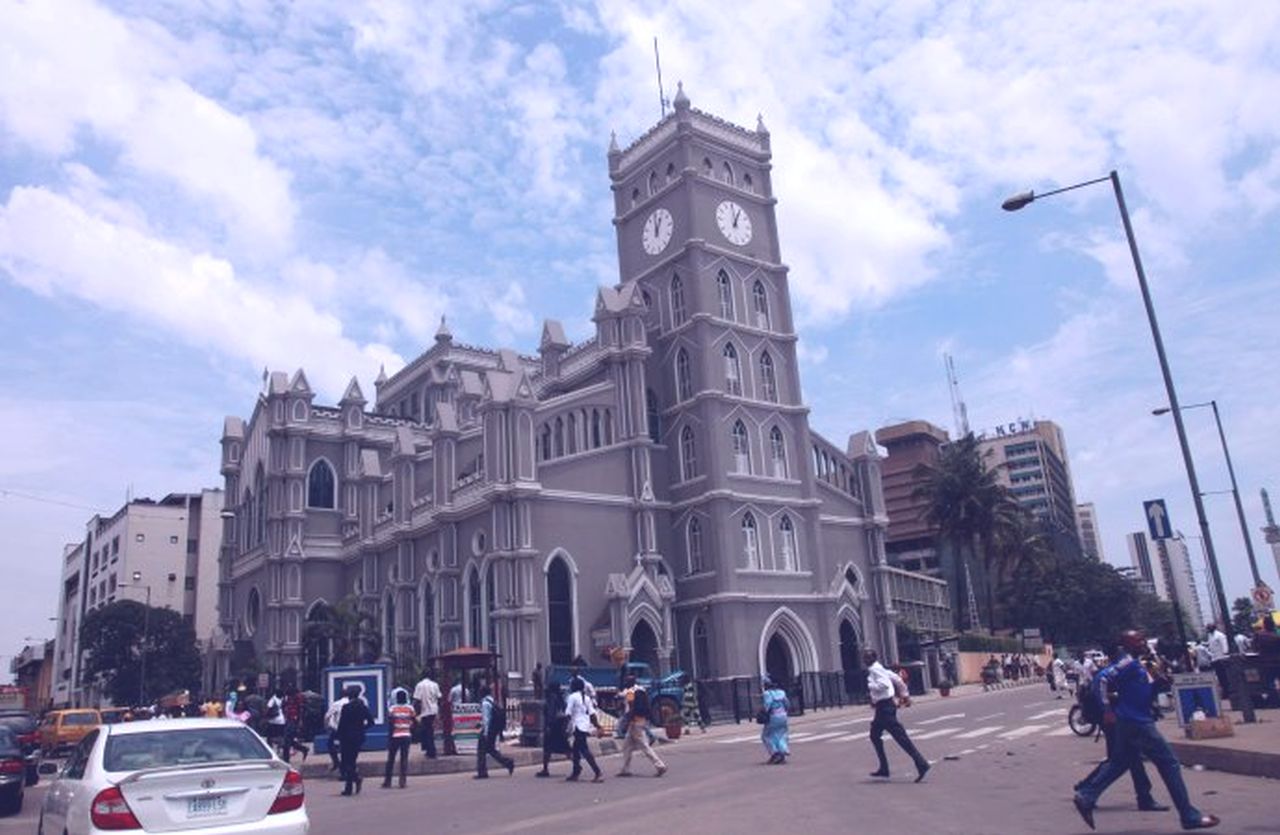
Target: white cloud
[(70, 66), (54, 247)]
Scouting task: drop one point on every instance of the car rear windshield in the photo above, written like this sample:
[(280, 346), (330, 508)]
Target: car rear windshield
[(172, 745), (80, 719), (18, 724), (8, 744)]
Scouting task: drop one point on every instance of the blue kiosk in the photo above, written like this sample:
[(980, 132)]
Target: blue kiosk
[(374, 681)]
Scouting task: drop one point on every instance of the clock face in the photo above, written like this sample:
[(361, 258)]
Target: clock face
[(734, 223), (657, 231)]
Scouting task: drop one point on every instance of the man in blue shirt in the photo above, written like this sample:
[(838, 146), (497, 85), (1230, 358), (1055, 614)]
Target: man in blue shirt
[(1128, 687)]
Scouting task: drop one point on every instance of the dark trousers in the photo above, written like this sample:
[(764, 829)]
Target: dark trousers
[(397, 745), (887, 720), (488, 747), (333, 748), (582, 752), (291, 742), (348, 752), (427, 727), (1137, 772), (1141, 739)]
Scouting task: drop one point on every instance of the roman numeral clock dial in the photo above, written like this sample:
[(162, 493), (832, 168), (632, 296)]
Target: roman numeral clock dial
[(657, 231), (734, 223)]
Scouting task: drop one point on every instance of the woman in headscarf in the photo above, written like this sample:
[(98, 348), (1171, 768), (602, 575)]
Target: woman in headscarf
[(775, 733)]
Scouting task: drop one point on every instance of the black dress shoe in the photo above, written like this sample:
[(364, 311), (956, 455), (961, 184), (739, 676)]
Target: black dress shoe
[(1085, 810), (880, 773)]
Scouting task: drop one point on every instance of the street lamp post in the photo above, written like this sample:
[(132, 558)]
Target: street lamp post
[(1019, 201), (146, 618), (1235, 488)]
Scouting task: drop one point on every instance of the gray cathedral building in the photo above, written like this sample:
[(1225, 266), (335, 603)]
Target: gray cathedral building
[(655, 488)]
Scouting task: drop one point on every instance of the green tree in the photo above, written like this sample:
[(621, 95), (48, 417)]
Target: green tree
[(971, 511), (342, 634), (114, 644), (1075, 602), (1242, 615)]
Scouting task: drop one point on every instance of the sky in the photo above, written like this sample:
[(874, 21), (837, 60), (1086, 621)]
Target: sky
[(193, 191)]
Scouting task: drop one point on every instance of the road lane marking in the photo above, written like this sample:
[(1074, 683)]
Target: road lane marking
[(849, 737), (849, 721), (1025, 730), (942, 719), (989, 716), (976, 732), (732, 740), (815, 738), (1046, 714), (1063, 731), (932, 734)]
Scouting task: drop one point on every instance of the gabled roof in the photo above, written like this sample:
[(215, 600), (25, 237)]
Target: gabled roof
[(446, 417), (404, 444), (370, 463), (353, 393), (553, 335), (232, 427), (862, 445), (471, 382), (278, 383), (299, 384)]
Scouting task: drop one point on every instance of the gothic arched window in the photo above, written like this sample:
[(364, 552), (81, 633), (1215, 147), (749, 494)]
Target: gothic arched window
[(321, 486), (778, 448), (560, 611), (760, 300), (655, 419), (653, 182), (572, 445), (475, 609), (558, 438), (732, 370), (491, 603), (787, 543), (741, 449), (747, 184), (684, 380), (750, 541), (671, 171), (694, 545), (688, 454), (707, 168), (544, 443), (728, 173), (725, 291), (595, 428), (768, 379), (677, 302)]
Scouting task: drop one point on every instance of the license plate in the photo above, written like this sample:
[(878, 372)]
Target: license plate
[(206, 807)]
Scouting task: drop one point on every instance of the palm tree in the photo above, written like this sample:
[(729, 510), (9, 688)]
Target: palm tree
[(352, 634), (969, 507)]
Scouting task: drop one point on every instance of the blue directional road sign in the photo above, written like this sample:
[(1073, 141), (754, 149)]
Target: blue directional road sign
[(1157, 514)]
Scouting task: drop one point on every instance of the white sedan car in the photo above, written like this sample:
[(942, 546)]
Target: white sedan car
[(205, 776)]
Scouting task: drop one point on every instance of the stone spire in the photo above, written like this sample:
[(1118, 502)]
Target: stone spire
[(443, 334), (681, 101)]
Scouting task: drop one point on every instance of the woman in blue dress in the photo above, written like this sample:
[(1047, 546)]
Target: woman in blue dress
[(774, 735)]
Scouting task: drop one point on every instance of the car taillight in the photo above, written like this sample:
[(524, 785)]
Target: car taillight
[(110, 811), (29, 739), (12, 766), (291, 794)]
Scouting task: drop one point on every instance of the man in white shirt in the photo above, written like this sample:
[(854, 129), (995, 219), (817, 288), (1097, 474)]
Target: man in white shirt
[(1219, 651), (331, 725), (275, 718), (426, 696), (887, 690)]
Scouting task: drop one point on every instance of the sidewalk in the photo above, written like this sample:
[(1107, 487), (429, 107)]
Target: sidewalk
[(1254, 750)]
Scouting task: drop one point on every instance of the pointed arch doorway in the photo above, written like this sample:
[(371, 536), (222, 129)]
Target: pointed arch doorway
[(850, 659), (644, 645), (778, 663)]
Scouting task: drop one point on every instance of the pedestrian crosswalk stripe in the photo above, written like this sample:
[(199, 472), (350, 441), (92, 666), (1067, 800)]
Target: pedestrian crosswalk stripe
[(855, 719), (976, 732), (849, 737), (1023, 731), (732, 740), (932, 734), (938, 719), (1065, 730), (1046, 714), (815, 738)]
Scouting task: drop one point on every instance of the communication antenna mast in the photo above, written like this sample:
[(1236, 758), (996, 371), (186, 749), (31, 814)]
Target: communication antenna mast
[(959, 413), (657, 63)]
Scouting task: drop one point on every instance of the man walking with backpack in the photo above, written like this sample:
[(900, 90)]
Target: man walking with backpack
[(638, 712), (493, 721), (1095, 710)]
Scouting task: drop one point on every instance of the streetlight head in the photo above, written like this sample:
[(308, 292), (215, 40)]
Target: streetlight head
[(228, 514), (1018, 201), (1163, 410), (137, 576)]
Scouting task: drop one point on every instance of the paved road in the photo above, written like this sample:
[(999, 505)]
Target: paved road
[(1003, 763)]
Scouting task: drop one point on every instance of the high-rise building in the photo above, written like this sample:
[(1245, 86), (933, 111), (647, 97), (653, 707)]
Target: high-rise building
[(1030, 459), (1147, 563), (1087, 527), (163, 551), (911, 448), (1166, 564)]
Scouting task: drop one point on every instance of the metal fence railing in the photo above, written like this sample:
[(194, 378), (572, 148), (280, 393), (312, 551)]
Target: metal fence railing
[(737, 699)]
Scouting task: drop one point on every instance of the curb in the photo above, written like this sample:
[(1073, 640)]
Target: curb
[(373, 763), (1230, 760)]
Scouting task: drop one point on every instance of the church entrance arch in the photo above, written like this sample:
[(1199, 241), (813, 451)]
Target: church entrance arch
[(777, 661), (644, 645), (850, 660)]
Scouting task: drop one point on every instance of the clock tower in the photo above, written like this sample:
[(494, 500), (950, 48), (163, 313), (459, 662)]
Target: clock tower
[(697, 235)]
